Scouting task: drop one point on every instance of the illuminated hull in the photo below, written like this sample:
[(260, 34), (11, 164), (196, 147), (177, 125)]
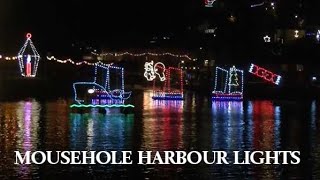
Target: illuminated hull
[(101, 106), (227, 97), (104, 104), (168, 96), (99, 99)]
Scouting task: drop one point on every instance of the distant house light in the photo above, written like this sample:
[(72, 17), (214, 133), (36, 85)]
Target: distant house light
[(210, 31), (206, 62), (318, 35), (296, 35), (299, 67)]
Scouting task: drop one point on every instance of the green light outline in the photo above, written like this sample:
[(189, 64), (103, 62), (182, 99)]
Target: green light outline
[(101, 106)]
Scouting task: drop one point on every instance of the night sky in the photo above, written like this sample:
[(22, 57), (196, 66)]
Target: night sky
[(61, 21), (56, 24)]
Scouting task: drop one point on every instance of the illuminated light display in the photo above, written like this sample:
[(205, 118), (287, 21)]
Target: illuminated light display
[(318, 35), (143, 54), (209, 3), (28, 61), (265, 74), (233, 81), (167, 92), (100, 93), (152, 71), (228, 84), (267, 39)]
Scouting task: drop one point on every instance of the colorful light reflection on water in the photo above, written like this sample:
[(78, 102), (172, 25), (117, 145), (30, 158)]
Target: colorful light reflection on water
[(194, 124)]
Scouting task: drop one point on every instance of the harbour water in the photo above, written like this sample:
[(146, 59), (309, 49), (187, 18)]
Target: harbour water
[(194, 124)]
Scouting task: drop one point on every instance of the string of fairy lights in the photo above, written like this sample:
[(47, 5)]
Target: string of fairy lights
[(52, 58), (144, 54), (185, 56), (8, 58)]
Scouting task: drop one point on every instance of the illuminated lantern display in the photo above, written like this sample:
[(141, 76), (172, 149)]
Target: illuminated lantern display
[(228, 84), (28, 58), (104, 91), (171, 88), (265, 74)]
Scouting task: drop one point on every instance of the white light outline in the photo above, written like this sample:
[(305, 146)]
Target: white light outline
[(35, 56), (216, 80), (152, 71), (233, 68), (267, 38)]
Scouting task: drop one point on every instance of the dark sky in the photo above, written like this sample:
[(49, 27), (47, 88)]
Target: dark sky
[(64, 21), (57, 23)]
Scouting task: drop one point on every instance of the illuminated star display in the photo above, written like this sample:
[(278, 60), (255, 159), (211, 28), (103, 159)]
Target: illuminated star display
[(267, 39)]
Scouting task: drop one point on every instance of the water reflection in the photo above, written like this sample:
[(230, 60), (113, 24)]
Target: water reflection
[(315, 140), (56, 125), (28, 115), (227, 125), (162, 125), (96, 131)]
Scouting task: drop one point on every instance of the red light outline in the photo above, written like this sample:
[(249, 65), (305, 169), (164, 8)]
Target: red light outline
[(263, 73), (167, 85), (29, 35)]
